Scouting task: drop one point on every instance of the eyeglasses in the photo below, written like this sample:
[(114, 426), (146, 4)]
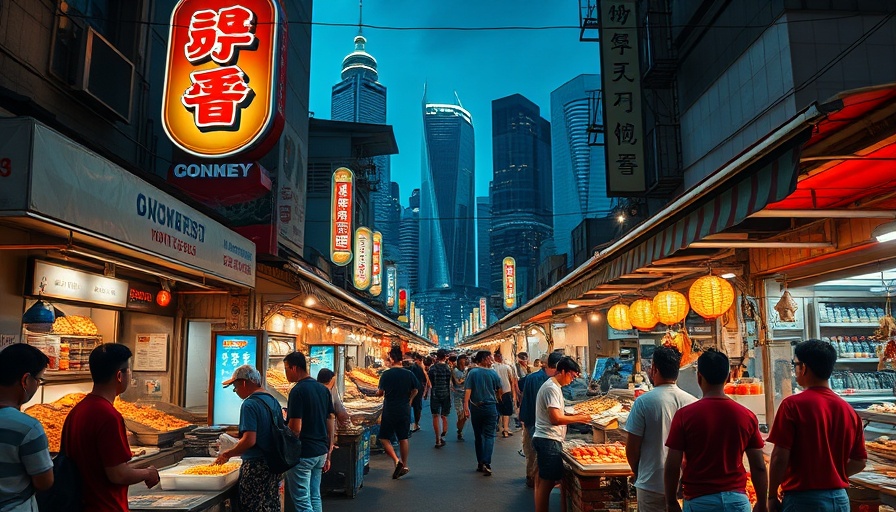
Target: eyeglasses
[(40, 380), (796, 363)]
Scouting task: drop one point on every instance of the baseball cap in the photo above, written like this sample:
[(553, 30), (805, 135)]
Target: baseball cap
[(245, 372)]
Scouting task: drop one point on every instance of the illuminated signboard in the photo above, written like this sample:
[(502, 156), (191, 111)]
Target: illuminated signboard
[(231, 350), (361, 272), (509, 279), (341, 217), (391, 279), (483, 313), (225, 75), (376, 268), (402, 302)]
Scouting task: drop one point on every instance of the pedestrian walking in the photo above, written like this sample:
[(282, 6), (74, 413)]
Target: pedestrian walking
[(24, 453), (259, 486), (522, 365), (713, 434), (550, 429), (95, 438), (530, 385), (458, 375), (818, 438), (648, 427), (440, 396), (508, 392), (311, 415), (416, 367), (399, 387), (482, 390)]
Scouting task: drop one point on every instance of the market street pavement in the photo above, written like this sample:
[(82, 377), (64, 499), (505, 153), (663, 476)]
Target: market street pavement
[(444, 478)]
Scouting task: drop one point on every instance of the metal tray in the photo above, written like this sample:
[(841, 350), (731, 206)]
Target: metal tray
[(597, 469), (151, 437)]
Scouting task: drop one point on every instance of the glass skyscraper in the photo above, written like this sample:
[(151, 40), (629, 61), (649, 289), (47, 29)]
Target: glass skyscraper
[(483, 228), (580, 179), (520, 192)]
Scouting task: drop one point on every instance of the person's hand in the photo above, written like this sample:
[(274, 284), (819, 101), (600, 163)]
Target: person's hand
[(466, 412), (222, 457), (673, 506), (153, 479), (773, 505), (326, 465)]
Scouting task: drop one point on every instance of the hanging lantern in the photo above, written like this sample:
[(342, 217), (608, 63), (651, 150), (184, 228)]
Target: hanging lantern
[(711, 296), (617, 317), (642, 315), (670, 307)]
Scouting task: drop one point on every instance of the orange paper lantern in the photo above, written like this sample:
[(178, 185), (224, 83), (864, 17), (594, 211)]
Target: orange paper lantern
[(617, 317), (670, 307), (163, 298), (642, 315), (711, 296)]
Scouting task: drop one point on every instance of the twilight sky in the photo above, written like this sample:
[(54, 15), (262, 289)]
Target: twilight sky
[(480, 65)]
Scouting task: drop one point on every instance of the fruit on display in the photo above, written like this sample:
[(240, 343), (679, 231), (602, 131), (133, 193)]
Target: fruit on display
[(595, 405), (590, 454), (212, 469), (75, 325)]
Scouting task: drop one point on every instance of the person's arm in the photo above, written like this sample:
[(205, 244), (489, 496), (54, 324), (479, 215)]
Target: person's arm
[(43, 481), (380, 392), (123, 474), (854, 466), (777, 468), (759, 476), (467, 393), (671, 477), (633, 452), (295, 424), (558, 418), (247, 440), (331, 433), (414, 392)]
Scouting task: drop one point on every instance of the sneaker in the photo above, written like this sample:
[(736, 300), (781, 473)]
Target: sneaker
[(487, 469), (480, 468), (398, 468), (443, 433), (403, 472), (460, 435)]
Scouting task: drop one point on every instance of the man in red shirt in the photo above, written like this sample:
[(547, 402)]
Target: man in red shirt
[(711, 435), (818, 438), (94, 435)]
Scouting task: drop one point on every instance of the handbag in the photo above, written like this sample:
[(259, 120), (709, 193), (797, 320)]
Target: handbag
[(65, 494), (286, 447)]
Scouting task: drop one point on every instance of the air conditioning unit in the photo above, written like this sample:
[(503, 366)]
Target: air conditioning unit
[(104, 75)]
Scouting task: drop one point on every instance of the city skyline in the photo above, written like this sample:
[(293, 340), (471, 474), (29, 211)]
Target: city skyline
[(478, 66)]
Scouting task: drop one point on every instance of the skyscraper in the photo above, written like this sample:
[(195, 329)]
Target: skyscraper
[(580, 180), (483, 226), (360, 98), (521, 197), (409, 243)]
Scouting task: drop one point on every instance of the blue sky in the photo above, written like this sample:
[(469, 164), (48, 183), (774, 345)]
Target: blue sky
[(479, 65)]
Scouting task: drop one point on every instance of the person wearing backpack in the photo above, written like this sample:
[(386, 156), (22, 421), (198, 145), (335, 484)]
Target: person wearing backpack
[(23, 453), (311, 415), (259, 485)]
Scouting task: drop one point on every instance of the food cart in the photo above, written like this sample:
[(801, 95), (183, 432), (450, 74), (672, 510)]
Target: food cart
[(596, 477)]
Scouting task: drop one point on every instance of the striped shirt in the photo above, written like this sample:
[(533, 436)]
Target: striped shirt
[(23, 453)]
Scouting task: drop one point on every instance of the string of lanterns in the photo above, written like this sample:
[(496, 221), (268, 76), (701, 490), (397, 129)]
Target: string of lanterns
[(710, 297)]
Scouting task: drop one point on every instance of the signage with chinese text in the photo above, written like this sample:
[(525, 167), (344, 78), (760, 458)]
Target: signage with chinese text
[(230, 351), (54, 281), (341, 217), (391, 279), (361, 271), (621, 77), (376, 269), (483, 313), (402, 302), (509, 280), (226, 64)]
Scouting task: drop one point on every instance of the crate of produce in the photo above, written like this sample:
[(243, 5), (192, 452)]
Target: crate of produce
[(586, 458), (199, 474)]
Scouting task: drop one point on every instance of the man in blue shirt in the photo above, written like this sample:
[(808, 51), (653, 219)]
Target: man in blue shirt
[(529, 386), (399, 387), (482, 391)]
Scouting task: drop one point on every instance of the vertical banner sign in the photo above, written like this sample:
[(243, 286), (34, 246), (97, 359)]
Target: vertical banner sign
[(402, 302), (483, 313), (413, 315), (224, 77), (341, 216), (391, 278), (376, 265), (509, 266), (621, 77), (477, 322), (363, 258)]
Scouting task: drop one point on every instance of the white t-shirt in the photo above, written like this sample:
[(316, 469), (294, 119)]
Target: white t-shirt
[(549, 396), (504, 372), (650, 418)]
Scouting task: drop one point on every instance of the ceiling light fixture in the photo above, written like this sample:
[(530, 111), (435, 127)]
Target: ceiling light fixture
[(728, 275), (885, 232)]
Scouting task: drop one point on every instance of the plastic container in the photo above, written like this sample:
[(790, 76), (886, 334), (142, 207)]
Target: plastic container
[(755, 388), (742, 388), (730, 388), (173, 479)]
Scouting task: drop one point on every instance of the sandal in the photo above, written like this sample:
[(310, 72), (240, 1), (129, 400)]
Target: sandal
[(504, 434)]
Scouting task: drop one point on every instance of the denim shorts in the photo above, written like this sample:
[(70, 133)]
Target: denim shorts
[(550, 460), (727, 501)]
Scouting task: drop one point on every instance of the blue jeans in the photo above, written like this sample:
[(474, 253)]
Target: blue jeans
[(302, 485), (817, 501), (485, 420), (727, 501)]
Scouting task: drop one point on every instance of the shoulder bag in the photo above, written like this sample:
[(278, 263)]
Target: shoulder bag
[(286, 447)]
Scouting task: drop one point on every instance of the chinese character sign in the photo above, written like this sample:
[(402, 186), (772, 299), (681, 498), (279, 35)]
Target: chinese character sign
[(621, 77), (341, 205), (402, 301), (226, 62), (376, 269), (233, 351), (391, 281), (483, 313), (509, 280), (361, 272)]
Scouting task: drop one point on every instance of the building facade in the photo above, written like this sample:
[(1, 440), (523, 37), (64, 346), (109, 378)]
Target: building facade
[(520, 191), (483, 228), (409, 244)]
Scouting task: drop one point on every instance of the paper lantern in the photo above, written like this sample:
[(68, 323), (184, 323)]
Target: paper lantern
[(617, 317), (642, 315), (163, 298), (670, 307), (711, 296)]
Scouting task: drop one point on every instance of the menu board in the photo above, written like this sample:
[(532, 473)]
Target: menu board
[(231, 350), (151, 352), (321, 356)]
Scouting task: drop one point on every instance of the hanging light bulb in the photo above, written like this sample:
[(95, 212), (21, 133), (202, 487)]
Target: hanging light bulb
[(594, 317)]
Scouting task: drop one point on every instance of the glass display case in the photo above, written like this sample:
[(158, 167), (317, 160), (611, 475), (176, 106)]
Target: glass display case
[(278, 346)]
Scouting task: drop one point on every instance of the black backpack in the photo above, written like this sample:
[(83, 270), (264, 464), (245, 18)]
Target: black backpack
[(286, 447), (65, 495)]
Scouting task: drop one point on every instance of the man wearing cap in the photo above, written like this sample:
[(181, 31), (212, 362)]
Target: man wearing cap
[(440, 396), (259, 486)]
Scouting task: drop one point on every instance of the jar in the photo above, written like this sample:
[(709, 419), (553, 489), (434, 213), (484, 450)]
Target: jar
[(755, 388)]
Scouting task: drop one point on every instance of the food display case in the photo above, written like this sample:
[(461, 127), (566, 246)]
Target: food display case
[(278, 346), (596, 477)]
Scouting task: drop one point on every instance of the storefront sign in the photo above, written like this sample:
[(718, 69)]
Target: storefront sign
[(621, 77), (509, 279), (224, 92), (402, 302), (54, 281), (290, 199), (221, 184), (376, 265), (391, 278), (231, 351), (342, 202), (151, 352), (361, 271), (483, 313), (150, 299), (413, 316), (320, 357)]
